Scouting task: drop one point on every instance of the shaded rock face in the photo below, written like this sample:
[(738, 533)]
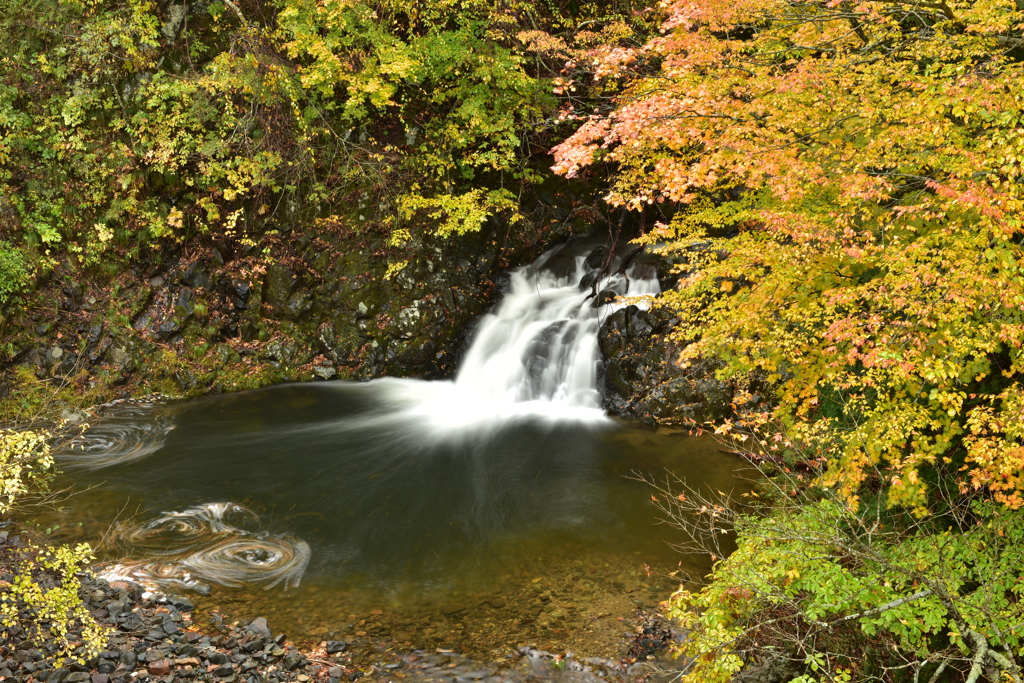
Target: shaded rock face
[(322, 309), (642, 377)]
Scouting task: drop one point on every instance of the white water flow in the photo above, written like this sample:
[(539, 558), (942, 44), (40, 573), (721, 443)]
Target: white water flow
[(539, 346)]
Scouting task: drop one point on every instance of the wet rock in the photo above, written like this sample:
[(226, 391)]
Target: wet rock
[(160, 667), (120, 359), (605, 296), (196, 276), (180, 603), (293, 662), (67, 366), (298, 305), (170, 628), (54, 356), (260, 627), (642, 378), (280, 352), (75, 296), (588, 280), (326, 338), (278, 284), (167, 329), (183, 304), (336, 646), (94, 333), (238, 293), (595, 259)]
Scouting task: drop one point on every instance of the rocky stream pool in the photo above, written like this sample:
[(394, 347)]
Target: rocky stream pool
[(498, 509)]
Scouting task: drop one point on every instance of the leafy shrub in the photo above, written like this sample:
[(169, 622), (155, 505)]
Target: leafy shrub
[(44, 601), (43, 598), (13, 271), (24, 459)]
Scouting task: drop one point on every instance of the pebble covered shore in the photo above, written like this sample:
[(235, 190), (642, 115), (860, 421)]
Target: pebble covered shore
[(157, 639)]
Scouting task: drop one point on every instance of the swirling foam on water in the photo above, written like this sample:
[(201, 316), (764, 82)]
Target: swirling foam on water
[(191, 548), (122, 432)]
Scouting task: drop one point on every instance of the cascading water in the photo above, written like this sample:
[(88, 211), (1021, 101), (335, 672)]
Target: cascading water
[(539, 346), (390, 483)]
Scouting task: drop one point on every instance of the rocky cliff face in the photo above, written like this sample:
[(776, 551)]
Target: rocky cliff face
[(199, 321), (321, 307), (643, 378)]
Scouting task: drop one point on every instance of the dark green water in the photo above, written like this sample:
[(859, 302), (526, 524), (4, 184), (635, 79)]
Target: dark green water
[(401, 509)]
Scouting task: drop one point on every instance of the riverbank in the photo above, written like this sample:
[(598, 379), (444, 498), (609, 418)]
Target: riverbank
[(167, 639)]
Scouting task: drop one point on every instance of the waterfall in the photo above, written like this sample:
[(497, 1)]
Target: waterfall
[(540, 343), (399, 477)]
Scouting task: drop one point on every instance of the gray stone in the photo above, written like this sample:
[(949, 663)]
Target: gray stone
[(167, 329), (277, 285), (120, 359), (183, 305), (326, 338), (293, 662), (182, 604), (54, 356), (324, 372), (218, 658), (58, 676), (298, 306), (195, 275), (260, 627), (238, 293)]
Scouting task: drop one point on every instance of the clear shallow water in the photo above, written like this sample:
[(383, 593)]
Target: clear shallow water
[(330, 507)]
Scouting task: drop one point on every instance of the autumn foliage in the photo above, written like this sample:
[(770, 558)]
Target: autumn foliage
[(844, 180), (868, 157)]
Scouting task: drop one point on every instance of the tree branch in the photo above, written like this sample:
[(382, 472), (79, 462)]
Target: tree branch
[(882, 608)]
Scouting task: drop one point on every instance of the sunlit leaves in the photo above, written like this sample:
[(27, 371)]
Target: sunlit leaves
[(865, 160)]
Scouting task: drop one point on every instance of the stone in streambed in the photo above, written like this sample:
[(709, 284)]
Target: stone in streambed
[(260, 627), (293, 662), (58, 676), (335, 646), (182, 604)]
